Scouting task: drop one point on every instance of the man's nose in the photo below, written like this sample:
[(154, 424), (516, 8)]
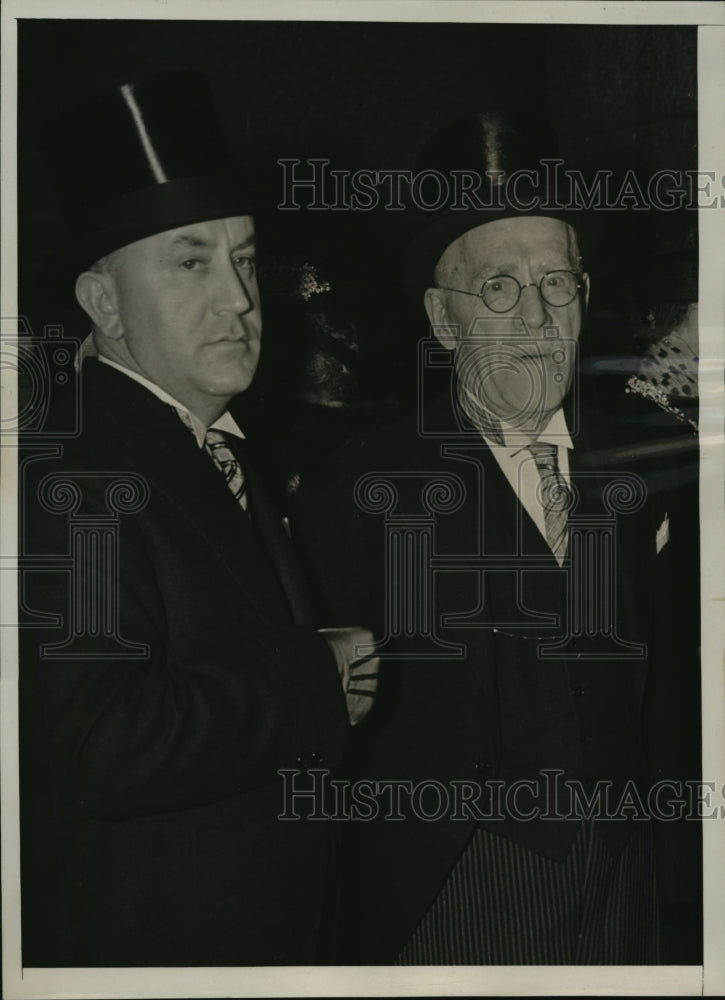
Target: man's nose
[(532, 307), (233, 292)]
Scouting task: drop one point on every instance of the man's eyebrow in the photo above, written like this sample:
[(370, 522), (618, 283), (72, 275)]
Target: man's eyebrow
[(490, 268), (564, 264), (553, 259), (184, 239), (553, 263), (249, 244), (198, 242)]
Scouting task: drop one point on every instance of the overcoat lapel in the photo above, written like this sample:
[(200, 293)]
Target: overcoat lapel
[(508, 529), (268, 525), (173, 464)]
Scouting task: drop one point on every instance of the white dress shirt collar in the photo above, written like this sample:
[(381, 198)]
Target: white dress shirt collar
[(225, 422), (518, 466), (556, 432)]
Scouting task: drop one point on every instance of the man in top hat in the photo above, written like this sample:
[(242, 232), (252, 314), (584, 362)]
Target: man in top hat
[(505, 575), (171, 666)]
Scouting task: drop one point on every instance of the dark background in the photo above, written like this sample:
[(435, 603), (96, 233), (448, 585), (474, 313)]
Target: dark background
[(372, 93), (364, 95), (368, 95)]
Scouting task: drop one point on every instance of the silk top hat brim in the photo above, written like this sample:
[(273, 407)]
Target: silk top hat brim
[(142, 159), (511, 159), (167, 206)]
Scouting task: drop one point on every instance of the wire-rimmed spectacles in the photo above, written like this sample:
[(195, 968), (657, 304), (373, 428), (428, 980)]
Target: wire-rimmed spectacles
[(502, 292)]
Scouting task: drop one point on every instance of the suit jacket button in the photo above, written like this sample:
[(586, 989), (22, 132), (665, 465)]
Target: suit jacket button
[(307, 760), (578, 692)]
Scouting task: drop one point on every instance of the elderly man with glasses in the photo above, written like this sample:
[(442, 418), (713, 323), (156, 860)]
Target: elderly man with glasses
[(505, 571)]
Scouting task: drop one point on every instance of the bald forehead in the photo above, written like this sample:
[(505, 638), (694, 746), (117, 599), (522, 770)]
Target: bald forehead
[(500, 247)]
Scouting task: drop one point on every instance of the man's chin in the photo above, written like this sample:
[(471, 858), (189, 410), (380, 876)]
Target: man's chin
[(231, 380)]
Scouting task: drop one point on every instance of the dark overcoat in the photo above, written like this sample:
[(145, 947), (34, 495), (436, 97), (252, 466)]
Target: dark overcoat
[(180, 673), (470, 693)]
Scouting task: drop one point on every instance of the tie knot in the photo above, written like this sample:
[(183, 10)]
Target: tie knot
[(214, 438), (227, 462), (555, 493), (554, 496), (545, 455)]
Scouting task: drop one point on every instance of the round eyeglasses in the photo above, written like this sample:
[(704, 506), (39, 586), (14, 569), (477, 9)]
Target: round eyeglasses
[(502, 292)]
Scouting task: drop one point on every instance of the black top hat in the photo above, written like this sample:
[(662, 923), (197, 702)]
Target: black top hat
[(514, 159), (141, 159)]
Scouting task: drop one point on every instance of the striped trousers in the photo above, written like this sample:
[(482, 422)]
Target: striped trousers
[(502, 904)]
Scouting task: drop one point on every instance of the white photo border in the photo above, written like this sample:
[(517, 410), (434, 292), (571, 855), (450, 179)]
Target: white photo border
[(384, 981)]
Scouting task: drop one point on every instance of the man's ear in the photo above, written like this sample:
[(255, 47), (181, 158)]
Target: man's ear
[(435, 306), (96, 293)]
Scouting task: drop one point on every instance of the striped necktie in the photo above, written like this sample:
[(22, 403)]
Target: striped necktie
[(555, 497), (216, 444)]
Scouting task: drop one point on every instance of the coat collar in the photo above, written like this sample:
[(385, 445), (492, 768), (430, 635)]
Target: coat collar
[(147, 434)]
